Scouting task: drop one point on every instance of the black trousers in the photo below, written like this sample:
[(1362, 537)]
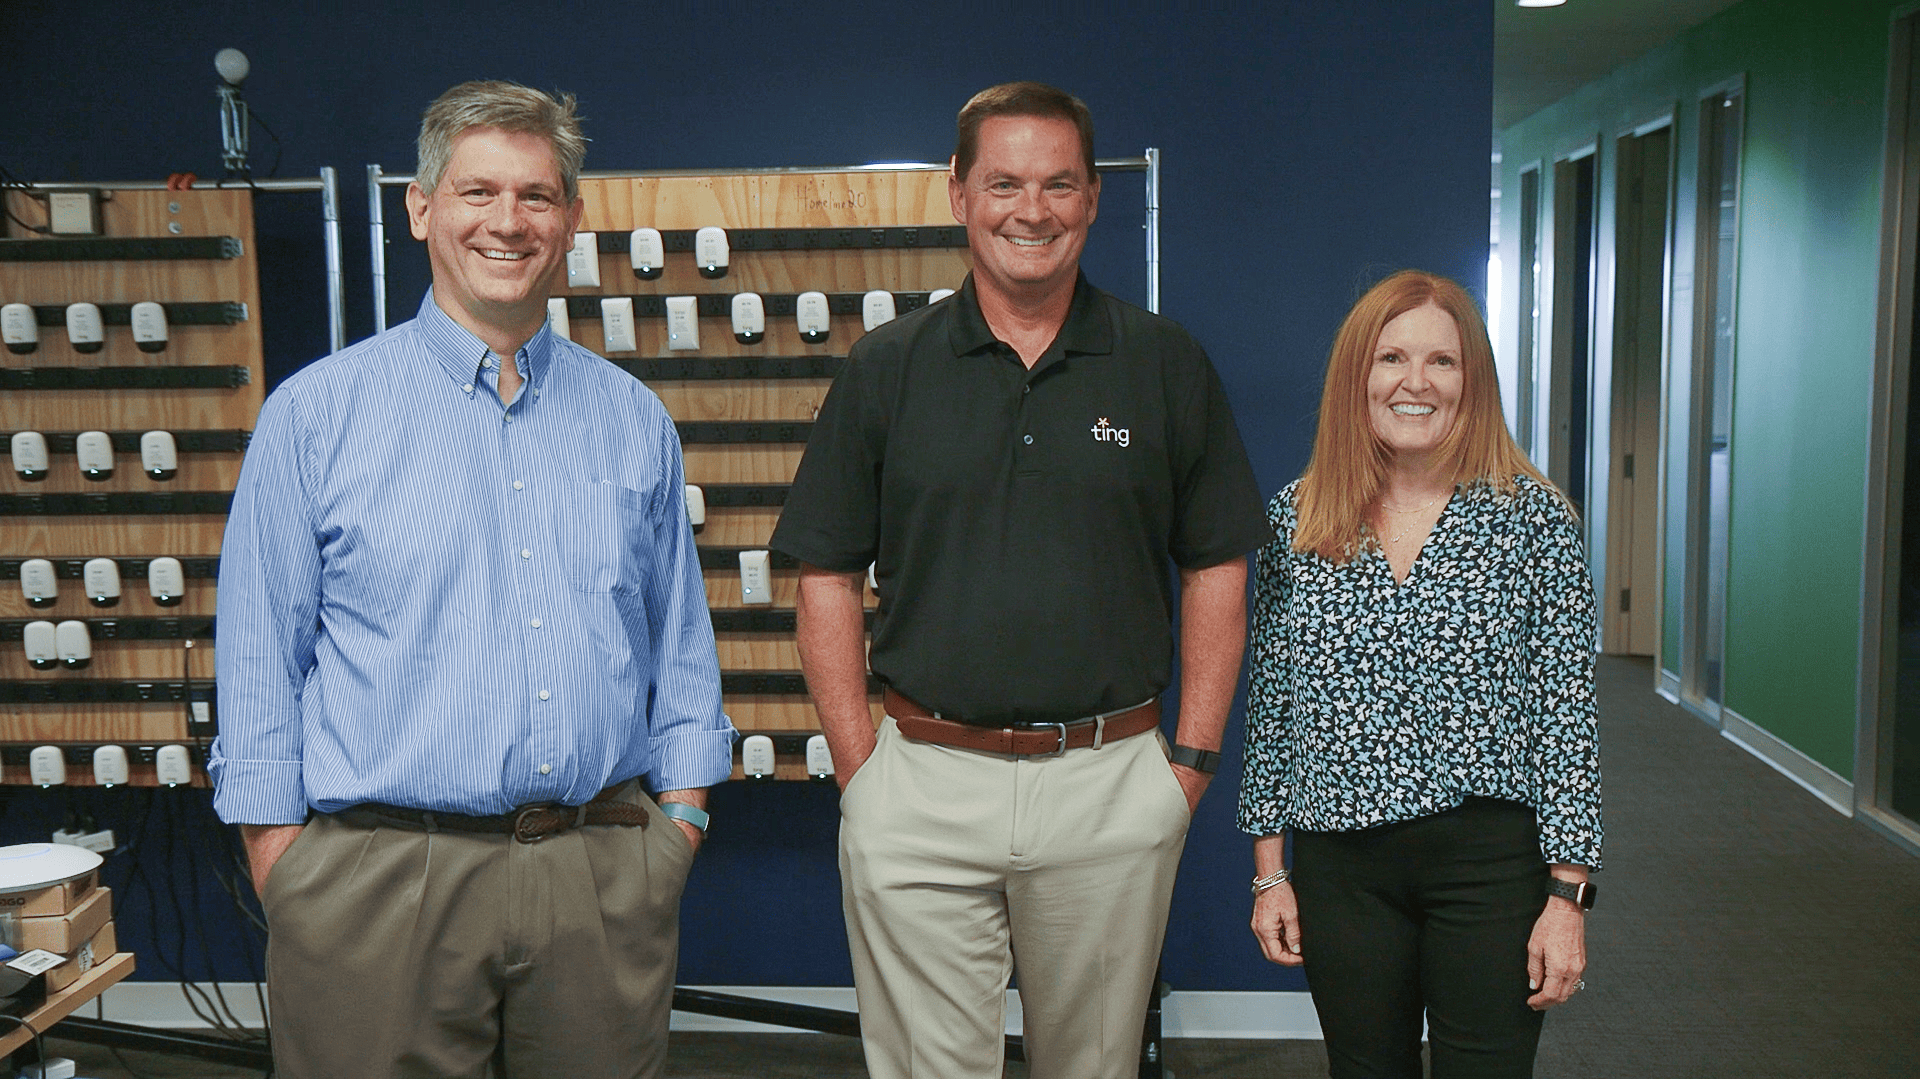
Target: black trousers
[(1424, 916)]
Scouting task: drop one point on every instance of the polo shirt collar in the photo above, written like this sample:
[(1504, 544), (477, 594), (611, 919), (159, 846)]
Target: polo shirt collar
[(459, 352), (1086, 330)]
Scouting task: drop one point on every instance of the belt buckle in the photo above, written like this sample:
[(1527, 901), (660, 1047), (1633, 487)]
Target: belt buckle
[(1059, 750), (522, 829)]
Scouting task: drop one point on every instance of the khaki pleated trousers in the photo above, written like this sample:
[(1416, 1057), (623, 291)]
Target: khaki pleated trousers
[(396, 953)]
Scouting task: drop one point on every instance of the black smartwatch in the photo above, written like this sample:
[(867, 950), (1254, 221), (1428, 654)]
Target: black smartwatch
[(1200, 760), (1581, 893)]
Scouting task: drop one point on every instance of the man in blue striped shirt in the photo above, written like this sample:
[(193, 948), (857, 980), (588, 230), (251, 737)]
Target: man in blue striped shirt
[(461, 626)]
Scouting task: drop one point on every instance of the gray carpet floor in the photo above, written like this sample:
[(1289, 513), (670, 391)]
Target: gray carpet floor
[(1745, 931)]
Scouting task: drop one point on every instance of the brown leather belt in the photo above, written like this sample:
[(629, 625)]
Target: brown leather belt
[(1038, 740), (528, 824)]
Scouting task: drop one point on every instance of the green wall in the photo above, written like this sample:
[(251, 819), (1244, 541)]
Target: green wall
[(1815, 87)]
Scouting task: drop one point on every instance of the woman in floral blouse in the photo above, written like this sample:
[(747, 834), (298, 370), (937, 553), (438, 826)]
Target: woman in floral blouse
[(1421, 719)]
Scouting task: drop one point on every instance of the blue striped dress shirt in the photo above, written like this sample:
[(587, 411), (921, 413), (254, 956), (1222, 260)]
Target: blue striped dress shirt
[(431, 600)]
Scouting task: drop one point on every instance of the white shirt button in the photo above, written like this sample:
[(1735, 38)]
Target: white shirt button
[(525, 553), (468, 388), (544, 694), (535, 623), (509, 417), (517, 485), (546, 769), (1029, 440)]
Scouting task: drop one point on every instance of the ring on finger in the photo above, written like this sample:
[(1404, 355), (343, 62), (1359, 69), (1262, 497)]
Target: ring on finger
[(1579, 985)]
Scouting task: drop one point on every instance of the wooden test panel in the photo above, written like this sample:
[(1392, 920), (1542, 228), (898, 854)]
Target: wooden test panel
[(184, 535), (867, 199)]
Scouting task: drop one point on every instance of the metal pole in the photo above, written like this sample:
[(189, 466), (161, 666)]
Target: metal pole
[(336, 276), (377, 236), (1153, 230)]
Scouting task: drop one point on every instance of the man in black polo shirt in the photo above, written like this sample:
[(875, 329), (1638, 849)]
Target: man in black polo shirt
[(1020, 462)]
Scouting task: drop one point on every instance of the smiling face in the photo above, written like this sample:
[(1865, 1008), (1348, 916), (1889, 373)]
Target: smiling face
[(1414, 383), (497, 229), (1027, 203)]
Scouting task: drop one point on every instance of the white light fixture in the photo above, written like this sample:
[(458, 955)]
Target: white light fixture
[(1538, 3)]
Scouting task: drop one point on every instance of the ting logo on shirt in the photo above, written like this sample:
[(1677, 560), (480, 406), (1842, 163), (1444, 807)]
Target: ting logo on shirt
[(1105, 432)]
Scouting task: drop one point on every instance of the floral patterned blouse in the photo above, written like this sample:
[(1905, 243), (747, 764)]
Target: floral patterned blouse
[(1374, 701)]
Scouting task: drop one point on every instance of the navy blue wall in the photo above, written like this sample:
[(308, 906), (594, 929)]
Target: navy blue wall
[(1309, 149)]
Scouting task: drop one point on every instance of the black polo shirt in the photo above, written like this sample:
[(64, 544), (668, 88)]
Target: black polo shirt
[(1022, 519)]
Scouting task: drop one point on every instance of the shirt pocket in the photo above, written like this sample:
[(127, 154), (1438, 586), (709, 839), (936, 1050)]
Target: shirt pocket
[(597, 530)]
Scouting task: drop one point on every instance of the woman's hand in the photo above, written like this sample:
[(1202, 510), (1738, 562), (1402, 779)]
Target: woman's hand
[(1276, 925), (1556, 954)]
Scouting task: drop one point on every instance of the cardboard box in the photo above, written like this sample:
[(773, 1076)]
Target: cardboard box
[(65, 933), (53, 899), (97, 950)]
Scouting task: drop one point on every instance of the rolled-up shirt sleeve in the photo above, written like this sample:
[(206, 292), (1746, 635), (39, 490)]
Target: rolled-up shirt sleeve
[(266, 627), (690, 738)]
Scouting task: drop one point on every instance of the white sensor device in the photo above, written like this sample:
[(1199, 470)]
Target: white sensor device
[(876, 309), (756, 577), (95, 450), (110, 766), (158, 455), (756, 756), (47, 766), (683, 323), (819, 757), (710, 251), (557, 314), (583, 262), (38, 583), (937, 295), (30, 455), (75, 644), (20, 328), (150, 326), (749, 318), (649, 253), (696, 507), (616, 323), (84, 328), (102, 577), (172, 766), (166, 581), (810, 311), (43, 645)]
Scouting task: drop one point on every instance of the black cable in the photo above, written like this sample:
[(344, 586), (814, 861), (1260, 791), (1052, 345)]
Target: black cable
[(39, 1043), (274, 169)]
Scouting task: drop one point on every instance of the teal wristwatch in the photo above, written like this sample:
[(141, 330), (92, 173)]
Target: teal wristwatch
[(693, 815)]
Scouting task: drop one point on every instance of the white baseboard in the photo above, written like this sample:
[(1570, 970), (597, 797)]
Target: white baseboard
[(1822, 782), (1668, 686), (1183, 1015)]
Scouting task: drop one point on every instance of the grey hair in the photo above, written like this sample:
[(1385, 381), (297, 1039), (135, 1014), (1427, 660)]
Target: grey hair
[(508, 106)]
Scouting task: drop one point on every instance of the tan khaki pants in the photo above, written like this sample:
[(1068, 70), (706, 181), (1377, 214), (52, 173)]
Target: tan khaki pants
[(962, 867), (397, 953)]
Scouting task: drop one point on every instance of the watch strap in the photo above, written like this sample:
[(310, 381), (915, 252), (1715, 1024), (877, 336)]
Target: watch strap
[(693, 815), (1200, 760), (1580, 893)]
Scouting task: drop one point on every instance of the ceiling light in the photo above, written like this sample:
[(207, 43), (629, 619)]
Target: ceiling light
[(1538, 3)]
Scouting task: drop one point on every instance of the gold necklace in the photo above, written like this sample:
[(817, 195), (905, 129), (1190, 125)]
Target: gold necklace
[(1402, 534)]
